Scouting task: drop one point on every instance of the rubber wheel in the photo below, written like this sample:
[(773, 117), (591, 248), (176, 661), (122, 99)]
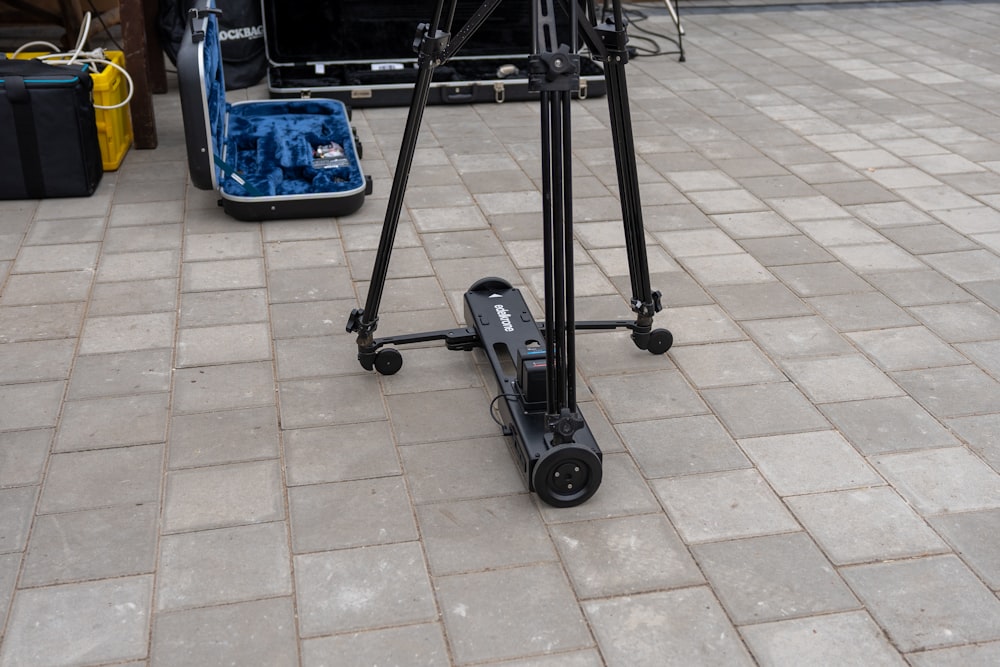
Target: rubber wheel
[(491, 284), (388, 361), (660, 340), (567, 475)]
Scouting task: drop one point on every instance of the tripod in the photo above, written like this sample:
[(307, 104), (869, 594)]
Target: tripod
[(534, 363)]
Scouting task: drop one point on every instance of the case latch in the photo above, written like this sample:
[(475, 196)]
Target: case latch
[(583, 88), (499, 92)]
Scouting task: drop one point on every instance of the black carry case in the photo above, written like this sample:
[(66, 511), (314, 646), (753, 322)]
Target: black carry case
[(269, 159), (48, 132), (362, 52)]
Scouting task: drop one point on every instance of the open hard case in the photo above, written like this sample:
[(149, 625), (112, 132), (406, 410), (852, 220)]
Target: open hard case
[(268, 159), (362, 53)]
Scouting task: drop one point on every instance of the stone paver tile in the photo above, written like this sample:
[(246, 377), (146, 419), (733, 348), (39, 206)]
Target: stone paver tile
[(131, 266), (317, 356), (609, 352), (223, 387), (9, 567), (472, 468), (972, 219), (853, 312), (681, 446), (881, 425), (94, 544), (960, 322), (735, 269), (689, 324), (928, 602), (143, 238), (906, 348), (759, 301), (843, 378), (23, 455), (226, 344), (917, 288), (339, 453), (121, 374), (102, 478), (821, 279), (136, 297), (641, 396), (36, 361), (977, 654), (420, 645), (310, 318), (358, 589), (723, 505), (850, 636), (429, 369), (755, 224), (220, 566), (51, 258), (926, 239), (865, 525), (809, 462), (986, 354), (877, 257), (786, 250), (99, 423), (30, 289), (976, 539), (222, 245), (683, 627), (891, 214), (510, 613), (40, 322), (213, 438), (222, 275), (624, 556), (951, 391), (798, 209), (772, 578), (299, 254), (256, 632), (127, 333), (328, 401), (52, 232), (764, 409), (982, 433), (94, 622), (942, 480), (724, 364), (16, 510), (698, 242), (350, 514), (225, 495), (622, 493), (207, 309), (461, 536), (441, 415), (840, 231)]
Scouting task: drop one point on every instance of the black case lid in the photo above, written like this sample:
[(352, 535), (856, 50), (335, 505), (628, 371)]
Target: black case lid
[(203, 93), (325, 31)]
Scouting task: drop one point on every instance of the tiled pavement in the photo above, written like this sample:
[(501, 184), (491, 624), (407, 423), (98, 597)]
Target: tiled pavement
[(195, 471)]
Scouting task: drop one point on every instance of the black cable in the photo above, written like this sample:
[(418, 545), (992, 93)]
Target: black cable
[(494, 402)]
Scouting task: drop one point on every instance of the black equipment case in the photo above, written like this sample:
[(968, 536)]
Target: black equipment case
[(269, 159), (362, 53), (49, 145)]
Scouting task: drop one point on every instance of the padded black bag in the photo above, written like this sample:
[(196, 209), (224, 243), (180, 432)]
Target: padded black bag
[(241, 32), (48, 132)]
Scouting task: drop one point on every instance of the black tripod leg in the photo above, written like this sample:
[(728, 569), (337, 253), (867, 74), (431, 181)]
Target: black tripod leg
[(645, 302), (364, 321)]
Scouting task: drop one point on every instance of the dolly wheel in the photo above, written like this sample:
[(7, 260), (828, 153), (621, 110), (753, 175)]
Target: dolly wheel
[(388, 361), (491, 284), (567, 475), (660, 340)]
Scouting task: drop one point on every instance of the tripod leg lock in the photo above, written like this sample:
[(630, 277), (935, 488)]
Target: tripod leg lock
[(646, 309), (564, 425)]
